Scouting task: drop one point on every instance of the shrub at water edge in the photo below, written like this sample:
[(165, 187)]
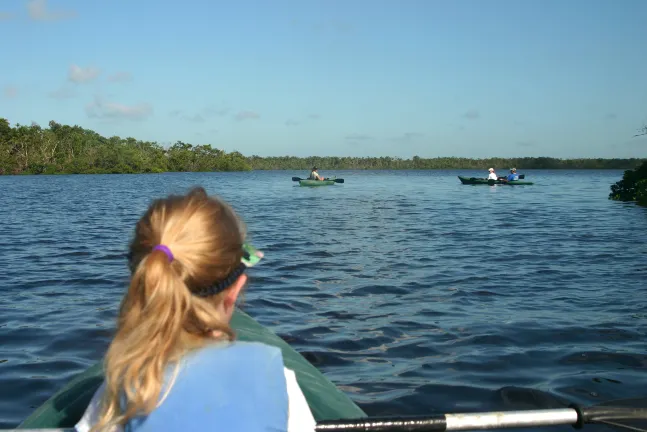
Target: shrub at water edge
[(633, 186)]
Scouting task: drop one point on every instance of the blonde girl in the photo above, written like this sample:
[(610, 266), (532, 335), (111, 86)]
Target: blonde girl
[(174, 364)]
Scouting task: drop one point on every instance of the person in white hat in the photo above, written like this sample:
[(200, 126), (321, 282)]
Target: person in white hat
[(492, 175)]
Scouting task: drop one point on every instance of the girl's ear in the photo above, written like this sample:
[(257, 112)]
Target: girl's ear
[(232, 294)]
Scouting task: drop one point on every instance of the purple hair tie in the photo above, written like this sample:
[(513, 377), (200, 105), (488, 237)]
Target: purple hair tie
[(166, 250)]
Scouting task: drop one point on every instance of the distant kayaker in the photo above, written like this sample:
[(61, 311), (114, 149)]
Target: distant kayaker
[(314, 175), (513, 175), (174, 364), (492, 175)]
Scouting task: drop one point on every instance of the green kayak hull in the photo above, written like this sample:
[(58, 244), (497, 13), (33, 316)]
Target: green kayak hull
[(65, 408), (316, 182), (484, 181)]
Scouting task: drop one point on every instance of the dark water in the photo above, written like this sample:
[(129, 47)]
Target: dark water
[(412, 292)]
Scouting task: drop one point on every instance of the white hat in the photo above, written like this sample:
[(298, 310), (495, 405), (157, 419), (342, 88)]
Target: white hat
[(491, 169)]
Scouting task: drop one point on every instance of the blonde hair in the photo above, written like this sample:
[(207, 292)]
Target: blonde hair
[(159, 318)]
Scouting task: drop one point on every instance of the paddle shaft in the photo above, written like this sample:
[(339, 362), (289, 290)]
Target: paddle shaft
[(486, 420), (456, 422)]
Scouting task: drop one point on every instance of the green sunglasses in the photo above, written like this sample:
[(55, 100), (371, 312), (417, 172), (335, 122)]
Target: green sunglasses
[(251, 255)]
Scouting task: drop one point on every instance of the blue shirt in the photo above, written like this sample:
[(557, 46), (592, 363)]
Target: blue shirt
[(226, 387), (513, 177)]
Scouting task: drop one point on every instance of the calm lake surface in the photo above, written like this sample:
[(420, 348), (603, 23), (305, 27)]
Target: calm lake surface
[(410, 291)]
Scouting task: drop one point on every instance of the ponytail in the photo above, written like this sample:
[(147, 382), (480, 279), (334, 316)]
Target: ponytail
[(151, 320)]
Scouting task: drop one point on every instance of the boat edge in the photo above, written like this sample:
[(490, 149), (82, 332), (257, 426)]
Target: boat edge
[(317, 388)]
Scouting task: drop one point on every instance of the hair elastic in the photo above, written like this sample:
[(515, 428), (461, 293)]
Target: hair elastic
[(166, 250)]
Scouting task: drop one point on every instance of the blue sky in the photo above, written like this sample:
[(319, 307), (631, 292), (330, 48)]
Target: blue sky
[(470, 78)]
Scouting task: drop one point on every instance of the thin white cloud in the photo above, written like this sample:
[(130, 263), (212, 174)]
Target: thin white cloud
[(527, 143), (80, 75), (200, 117), (115, 111), (10, 92), (120, 77), (247, 115), (214, 110), (296, 121), (358, 137), (38, 11), (64, 92), (472, 114), (408, 137), (197, 118)]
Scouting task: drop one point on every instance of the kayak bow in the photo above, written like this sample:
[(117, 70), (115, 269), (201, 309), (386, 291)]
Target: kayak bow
[(65, 408)]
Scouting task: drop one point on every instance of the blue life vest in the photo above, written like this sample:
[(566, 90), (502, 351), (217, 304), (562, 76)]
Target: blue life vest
[(223, 387), (513, 177)]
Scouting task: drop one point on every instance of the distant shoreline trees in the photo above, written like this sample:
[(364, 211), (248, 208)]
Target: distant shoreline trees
[(61, 149), (392, 163)]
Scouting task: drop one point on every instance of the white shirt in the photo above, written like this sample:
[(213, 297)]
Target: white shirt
[(300, 418), (492, 176)]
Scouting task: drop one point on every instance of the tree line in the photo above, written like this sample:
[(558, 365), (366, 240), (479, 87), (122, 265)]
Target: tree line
[(394, 163), (62, 149)]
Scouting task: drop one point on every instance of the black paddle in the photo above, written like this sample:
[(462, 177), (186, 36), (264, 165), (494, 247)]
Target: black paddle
[(336, 180), (627, 418)]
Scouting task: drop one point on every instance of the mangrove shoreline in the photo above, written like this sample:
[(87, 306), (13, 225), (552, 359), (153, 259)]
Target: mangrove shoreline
[(62, 149)]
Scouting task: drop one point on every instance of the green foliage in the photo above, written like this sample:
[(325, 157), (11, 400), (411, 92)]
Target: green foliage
[(632, 187), (501, 164), (62, 149)]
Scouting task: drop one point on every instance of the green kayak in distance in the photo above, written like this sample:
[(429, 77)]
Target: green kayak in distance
[(484, 181), (317, 182), (65, 408)]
